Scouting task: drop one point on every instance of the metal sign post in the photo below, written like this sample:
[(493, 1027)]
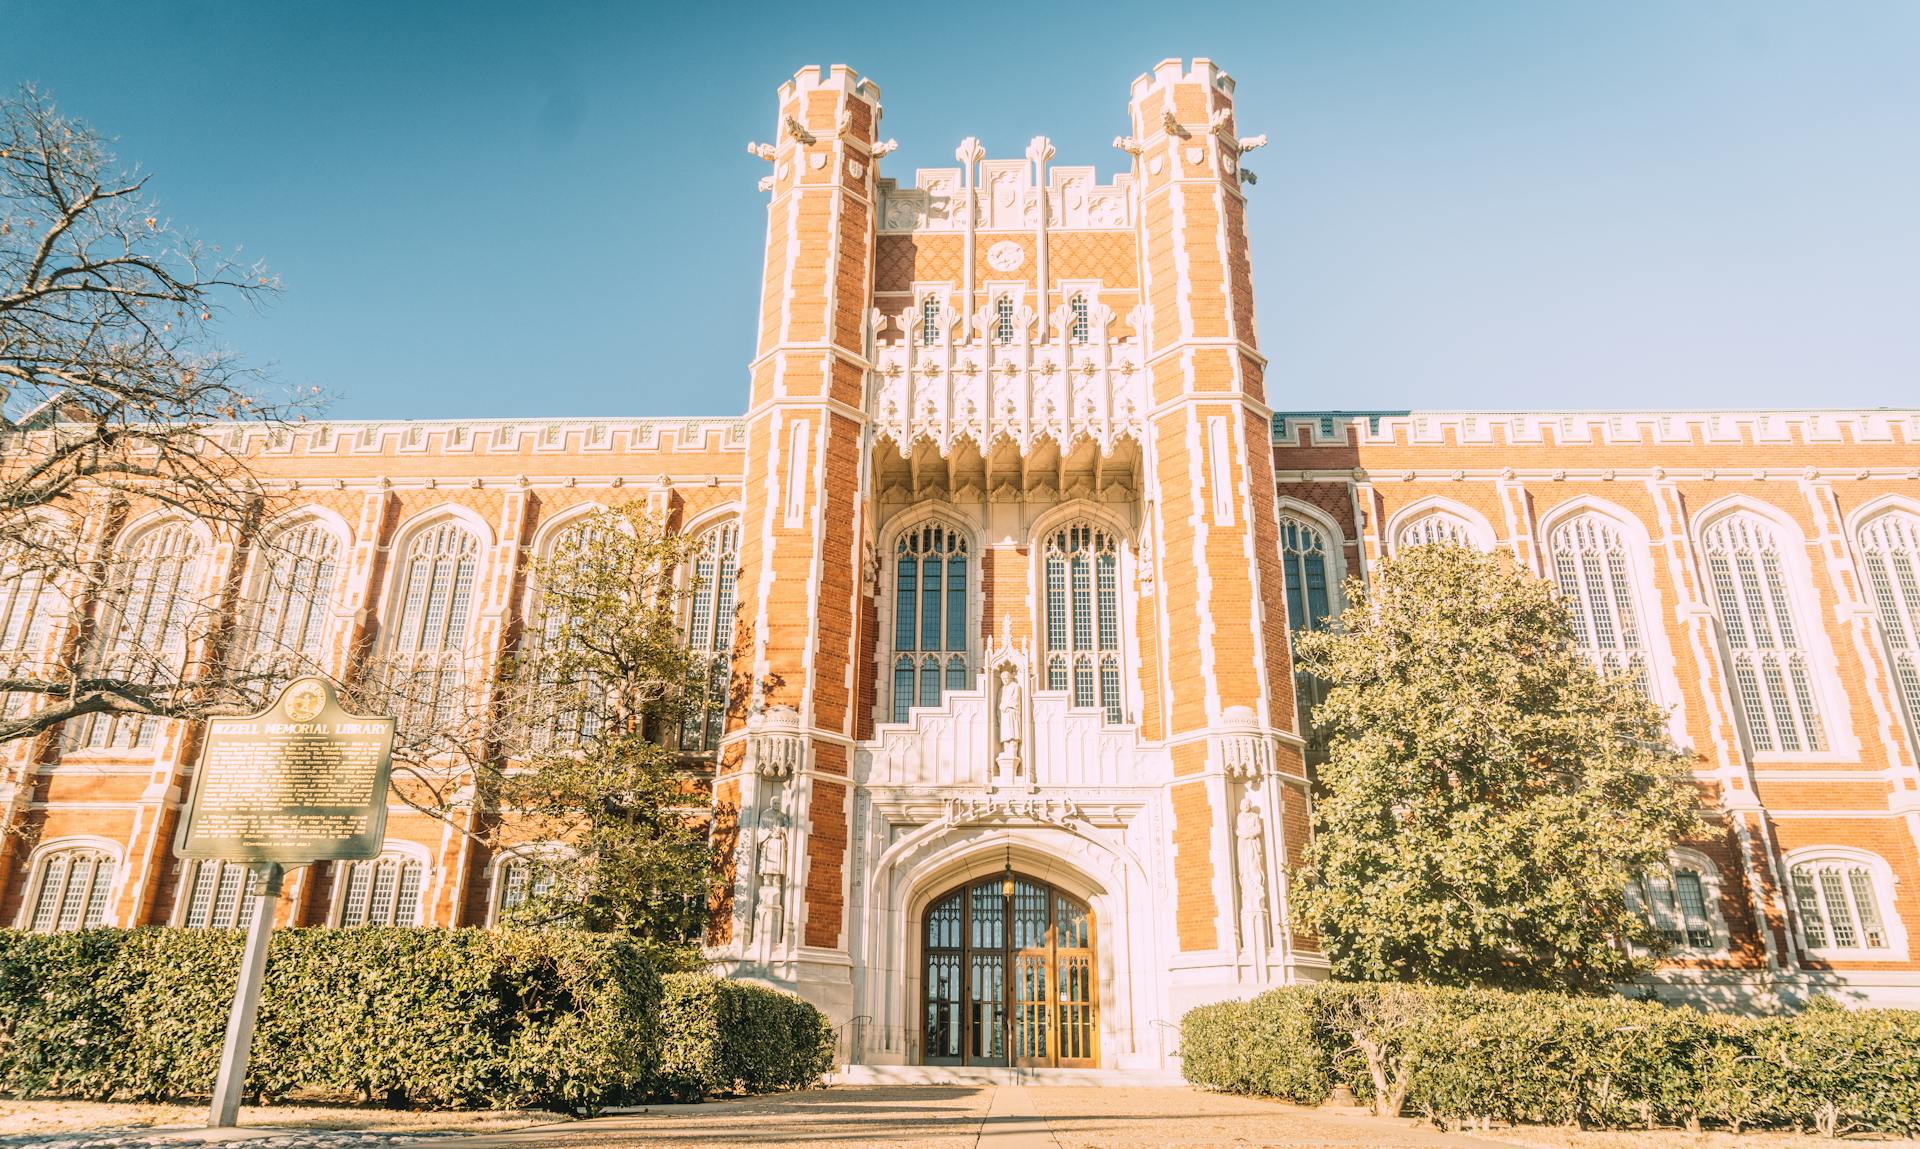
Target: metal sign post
[(302, 781), (232, 1081)]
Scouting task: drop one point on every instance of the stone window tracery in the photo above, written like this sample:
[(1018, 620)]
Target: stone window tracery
[(1771, 672), (1305, 556), (1595, 574), (289, 609), (218, 896), (1890, 550), (930, 617), (427, 648), (1437, 527), (71, 890), (1839, 900), (1083, 654), (710, 633), (144, 628), (382, 892), (28, 602)]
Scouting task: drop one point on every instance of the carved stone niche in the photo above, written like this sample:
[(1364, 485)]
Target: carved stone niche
[(1242, 748), (776, 744)]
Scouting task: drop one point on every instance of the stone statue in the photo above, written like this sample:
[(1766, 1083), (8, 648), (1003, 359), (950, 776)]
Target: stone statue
[(773, 850), (1247, 830), (1011, 705), (769, 913)]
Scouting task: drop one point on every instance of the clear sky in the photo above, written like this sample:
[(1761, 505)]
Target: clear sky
[(486, 210)]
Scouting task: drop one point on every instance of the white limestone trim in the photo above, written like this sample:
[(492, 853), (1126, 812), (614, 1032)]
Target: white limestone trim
[(1479, 530), (37, 873), (1884, 880)]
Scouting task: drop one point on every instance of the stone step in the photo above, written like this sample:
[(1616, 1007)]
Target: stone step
[(997, 1075)]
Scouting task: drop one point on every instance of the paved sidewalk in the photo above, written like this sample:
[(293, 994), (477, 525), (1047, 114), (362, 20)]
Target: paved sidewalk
[(942, 1116)]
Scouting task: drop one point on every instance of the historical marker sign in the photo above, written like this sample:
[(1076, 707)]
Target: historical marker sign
[(302, 781)]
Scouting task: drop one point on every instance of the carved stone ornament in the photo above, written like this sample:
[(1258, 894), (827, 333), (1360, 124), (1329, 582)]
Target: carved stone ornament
[(776, 747), (1011, 808), (1005, 256)]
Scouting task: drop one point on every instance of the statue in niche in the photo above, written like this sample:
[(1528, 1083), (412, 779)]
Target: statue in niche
[(1012, 708), (1247, 831), (773, 873)]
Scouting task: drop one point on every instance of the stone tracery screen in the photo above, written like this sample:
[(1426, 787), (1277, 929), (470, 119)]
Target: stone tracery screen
[(1083, 655)]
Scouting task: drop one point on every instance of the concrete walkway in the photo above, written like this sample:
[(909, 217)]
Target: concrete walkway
[(978, 1117)]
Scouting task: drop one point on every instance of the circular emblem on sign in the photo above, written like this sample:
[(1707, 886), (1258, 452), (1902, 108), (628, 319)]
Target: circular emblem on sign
[(1005, 256), (304, 701)]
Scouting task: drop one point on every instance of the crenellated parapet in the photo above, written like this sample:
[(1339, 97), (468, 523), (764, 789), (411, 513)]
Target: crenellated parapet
[(1007, 199)]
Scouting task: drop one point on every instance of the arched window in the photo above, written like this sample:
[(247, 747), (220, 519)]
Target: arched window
[(1304, 555), (144, 627), (1770, 666), (217, 896), (426, 646), (1082, 323), (1839, 899), (930, 320), (28, 603), (520, 880), (290, 604), (930, 639), (565, 705), (70, 891), (1890, 546), (716, 566), (1437, 527), (1003, 319), (382, 892), (1595, 576), (1082, 565), (1681, 901)]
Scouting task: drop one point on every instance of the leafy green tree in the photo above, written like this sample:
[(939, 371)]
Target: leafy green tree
[(1488, 791)]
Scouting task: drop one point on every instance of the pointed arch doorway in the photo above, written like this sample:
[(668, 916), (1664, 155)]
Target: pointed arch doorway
[(1009, 967)]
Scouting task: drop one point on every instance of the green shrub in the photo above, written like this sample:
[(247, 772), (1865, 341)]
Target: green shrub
[(721, 1036), (440, 1018), (1460, 1056)]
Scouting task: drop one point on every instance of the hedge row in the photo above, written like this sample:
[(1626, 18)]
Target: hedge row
[(1463, 1056), (721, 1036), (422, 1017)]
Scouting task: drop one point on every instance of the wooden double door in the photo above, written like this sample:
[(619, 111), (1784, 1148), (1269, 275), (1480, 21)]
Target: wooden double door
[(1009, 975)]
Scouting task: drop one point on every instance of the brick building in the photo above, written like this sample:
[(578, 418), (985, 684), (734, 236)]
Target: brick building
[(1009, 543)]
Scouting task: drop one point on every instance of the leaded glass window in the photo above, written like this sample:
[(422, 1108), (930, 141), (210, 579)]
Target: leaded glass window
[(1083, 653), (1595, 576), (382, 892), (930, 321), (1003, 320), (1890, 548), (144, 631), (1674, 901), (28, 604), (1304, 555), (522, 880), (1839, 905), (218, 896), (427, 645), (289, 608), (1082, 322), (710, 634), (1771, 671), (930, 634), (72, 891)]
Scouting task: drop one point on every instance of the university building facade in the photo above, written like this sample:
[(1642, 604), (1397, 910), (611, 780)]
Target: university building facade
[(1006, 552)]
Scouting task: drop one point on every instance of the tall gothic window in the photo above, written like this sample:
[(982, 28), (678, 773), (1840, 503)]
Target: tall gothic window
[(1839, 902), (930, 321), (290, 605), (1770, 664), (71, 890), (144, 628), (1438, 527), (1082, 322), (564, 706), (930, 617), (1678, 900), (27, 607), (1303, 553), (425, 653), (217, 896), (710, 634), (1082, 571), (1890, 546), (1595, 575), (381, 892), (1003, 319)]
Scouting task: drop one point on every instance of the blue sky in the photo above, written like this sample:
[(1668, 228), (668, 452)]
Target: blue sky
[(493, 210)]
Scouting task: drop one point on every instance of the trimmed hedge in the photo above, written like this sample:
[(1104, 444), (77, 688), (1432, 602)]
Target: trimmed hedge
[(1459, 1056), (437, 1018), (722, 1036)]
